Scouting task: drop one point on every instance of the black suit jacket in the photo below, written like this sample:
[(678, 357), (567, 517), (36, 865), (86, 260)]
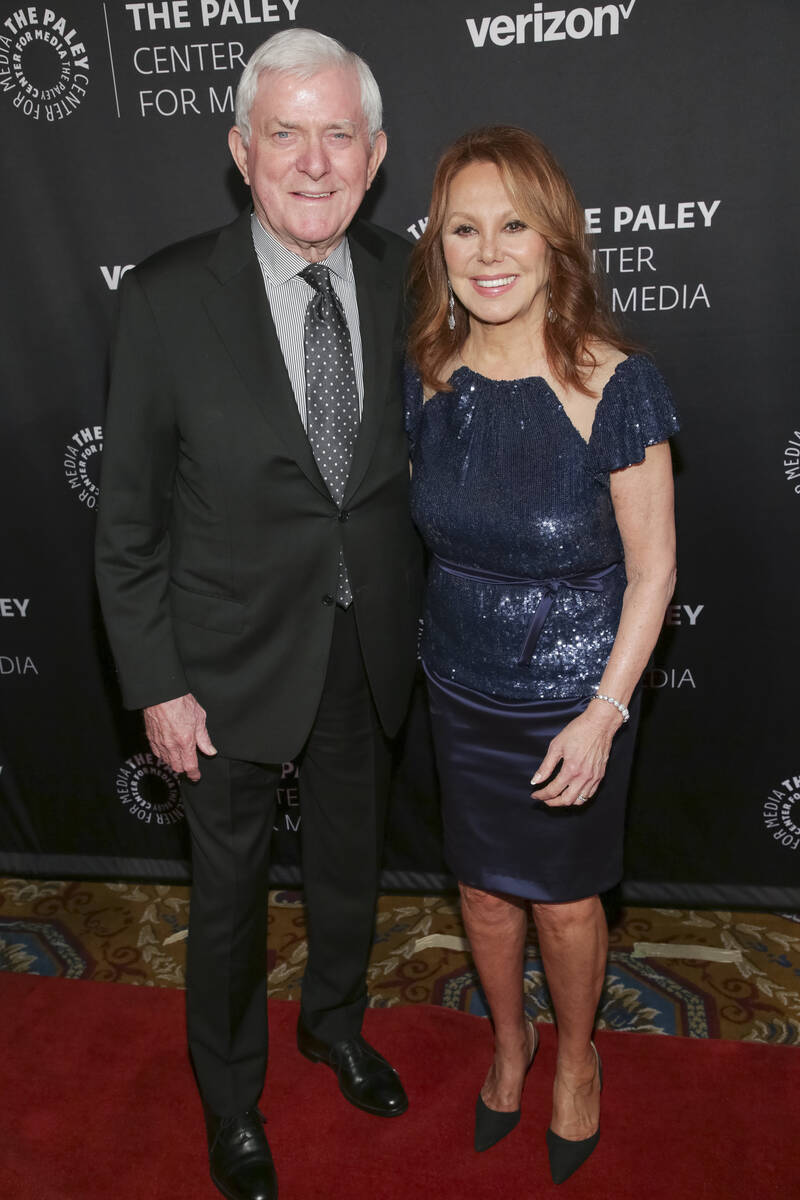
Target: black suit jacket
[(218, 541)]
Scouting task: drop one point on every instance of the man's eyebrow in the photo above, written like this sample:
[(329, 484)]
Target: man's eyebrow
[(344, 123)]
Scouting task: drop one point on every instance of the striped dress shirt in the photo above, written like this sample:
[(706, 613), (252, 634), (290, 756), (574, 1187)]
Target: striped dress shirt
[(288, 296)]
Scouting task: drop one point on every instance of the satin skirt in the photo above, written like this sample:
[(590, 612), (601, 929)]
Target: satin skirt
[(497, 837)]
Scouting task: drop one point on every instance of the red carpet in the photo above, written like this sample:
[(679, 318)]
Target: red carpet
[(97, 1101)]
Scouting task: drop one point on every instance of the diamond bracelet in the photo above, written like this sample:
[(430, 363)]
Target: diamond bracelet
[(626, 716)]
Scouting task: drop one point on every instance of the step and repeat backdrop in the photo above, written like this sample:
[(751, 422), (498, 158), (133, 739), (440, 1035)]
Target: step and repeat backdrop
[(675, 123)]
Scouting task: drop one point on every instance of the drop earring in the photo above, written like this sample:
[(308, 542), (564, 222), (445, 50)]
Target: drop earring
[(551, 313), (451, 305)]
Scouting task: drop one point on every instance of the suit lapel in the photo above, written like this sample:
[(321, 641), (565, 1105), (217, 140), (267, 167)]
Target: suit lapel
[(377, 311), (238, 308)]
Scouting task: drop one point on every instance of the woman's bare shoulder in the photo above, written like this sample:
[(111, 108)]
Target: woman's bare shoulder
[(607, 359)]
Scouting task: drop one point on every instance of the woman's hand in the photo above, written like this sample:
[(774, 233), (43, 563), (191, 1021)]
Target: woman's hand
[(582, 747)]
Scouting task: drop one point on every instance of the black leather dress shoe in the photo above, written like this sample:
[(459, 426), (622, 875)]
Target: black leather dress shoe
[(366, 1079), (239, 1156)]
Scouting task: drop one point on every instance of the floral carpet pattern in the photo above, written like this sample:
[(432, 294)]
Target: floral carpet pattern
[(688, 972)]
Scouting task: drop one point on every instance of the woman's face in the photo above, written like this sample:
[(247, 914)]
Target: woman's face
[(498, 265)]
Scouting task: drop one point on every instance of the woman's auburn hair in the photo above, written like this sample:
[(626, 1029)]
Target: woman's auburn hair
[(543, 197)]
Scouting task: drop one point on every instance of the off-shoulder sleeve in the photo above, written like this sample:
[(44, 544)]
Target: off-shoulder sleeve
[(412, 394), (635, 411)]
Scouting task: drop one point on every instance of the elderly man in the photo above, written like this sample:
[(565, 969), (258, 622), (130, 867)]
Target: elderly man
[(258, 571)]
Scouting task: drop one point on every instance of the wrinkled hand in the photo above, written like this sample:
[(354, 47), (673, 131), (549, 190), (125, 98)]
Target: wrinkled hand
[(176, 730), (582, 747)]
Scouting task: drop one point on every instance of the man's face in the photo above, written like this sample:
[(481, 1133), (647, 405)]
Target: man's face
[(309, 162)]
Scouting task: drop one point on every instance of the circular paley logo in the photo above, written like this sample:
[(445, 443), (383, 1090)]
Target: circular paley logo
[(781, 812), (149, 790), (791, 461), (79, 452), (44, 67)]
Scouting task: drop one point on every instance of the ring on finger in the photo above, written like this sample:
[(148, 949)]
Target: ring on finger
[(581, 799)]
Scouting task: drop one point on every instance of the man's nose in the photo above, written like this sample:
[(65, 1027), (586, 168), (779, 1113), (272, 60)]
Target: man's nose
[(313, 159)]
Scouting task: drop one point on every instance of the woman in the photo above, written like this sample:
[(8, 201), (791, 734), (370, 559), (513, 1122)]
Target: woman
[(542, 485)]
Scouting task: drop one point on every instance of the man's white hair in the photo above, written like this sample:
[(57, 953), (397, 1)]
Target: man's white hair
[(304, 53)]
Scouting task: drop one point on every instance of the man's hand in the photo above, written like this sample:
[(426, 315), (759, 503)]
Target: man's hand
[(176, 730)]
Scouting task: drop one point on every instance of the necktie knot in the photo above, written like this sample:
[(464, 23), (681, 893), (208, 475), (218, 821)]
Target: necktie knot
[(318, 276)]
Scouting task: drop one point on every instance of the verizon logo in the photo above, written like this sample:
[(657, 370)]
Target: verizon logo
[(549, 25)]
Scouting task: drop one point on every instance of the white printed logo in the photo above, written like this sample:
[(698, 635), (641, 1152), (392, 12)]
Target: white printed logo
[(548, 25), (170, 73), (417, 228), (80, 450), (44, 67), (12, 606), (683, 614), (17, 664), (656, 678), (149, 790), (791, 461), (113, 275), (780, 816)]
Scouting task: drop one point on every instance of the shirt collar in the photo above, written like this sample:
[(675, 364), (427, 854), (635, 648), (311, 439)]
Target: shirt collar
[(281, 264)]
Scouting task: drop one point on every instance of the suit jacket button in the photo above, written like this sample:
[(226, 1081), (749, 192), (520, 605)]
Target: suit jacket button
[(344, 515), (328, 599)]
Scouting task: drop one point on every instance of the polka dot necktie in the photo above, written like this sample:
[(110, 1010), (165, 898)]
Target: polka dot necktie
[(331, 394)]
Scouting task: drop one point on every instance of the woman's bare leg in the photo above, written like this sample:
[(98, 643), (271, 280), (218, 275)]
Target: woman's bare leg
[(573, 939), (497, 926)]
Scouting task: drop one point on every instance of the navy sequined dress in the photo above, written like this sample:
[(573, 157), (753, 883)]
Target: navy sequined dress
[(523, 602)]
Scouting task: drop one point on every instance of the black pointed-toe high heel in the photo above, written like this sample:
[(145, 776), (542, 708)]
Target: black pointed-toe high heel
[(566, 1156), (491, 1126)]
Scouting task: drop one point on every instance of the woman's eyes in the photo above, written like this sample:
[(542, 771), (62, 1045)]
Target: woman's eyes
[(513, 226)]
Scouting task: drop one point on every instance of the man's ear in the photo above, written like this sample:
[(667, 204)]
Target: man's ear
[(376, 157), (239, 151)]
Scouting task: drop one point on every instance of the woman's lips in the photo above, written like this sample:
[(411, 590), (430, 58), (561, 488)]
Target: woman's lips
[(493, 285)]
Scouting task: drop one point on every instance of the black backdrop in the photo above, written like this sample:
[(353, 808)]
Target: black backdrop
[(675, 123)]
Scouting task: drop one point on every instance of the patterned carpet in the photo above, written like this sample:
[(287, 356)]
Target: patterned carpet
[(694, 973)]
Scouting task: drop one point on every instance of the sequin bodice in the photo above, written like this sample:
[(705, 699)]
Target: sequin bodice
[(504, 485)]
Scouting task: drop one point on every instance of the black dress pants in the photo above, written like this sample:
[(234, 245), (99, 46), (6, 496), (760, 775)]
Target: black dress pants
[(343, 784)]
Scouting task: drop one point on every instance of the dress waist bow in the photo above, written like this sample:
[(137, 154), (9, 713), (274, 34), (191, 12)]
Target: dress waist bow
[(584, 581)]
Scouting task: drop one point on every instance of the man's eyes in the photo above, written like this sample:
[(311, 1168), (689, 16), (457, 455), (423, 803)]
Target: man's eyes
[(336, 135)]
